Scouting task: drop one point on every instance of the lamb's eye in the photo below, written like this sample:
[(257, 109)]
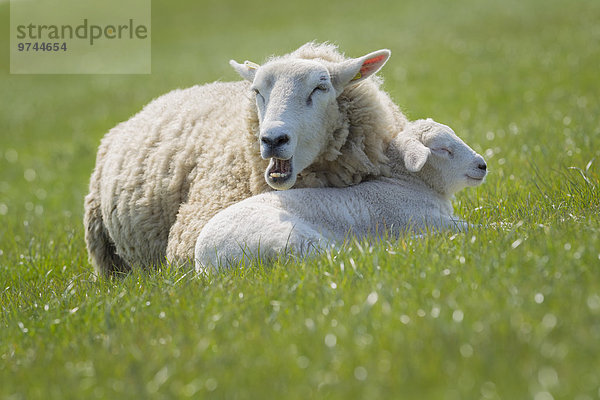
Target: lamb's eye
[(444, 151)]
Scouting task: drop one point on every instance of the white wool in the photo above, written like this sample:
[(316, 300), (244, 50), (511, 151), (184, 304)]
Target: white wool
[(429, 164), (161, 175)]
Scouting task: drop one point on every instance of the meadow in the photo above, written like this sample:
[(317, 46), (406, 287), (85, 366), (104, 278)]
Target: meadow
[(510, 310)]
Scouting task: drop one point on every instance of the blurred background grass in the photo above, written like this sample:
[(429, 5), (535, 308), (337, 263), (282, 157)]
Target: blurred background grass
[(518, 80)]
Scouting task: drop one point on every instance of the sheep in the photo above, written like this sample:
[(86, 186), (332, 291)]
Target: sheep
[(311, 118), (429, 165)]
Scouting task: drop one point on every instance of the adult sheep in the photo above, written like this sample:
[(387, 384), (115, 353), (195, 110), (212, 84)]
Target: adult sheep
[(429, 164), (307, 119)]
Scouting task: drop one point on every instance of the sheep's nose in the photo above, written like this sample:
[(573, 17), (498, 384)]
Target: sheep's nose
[(482, 166), (276, 141)]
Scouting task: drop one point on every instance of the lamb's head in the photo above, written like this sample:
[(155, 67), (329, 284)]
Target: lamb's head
[(440, 158), (297, 107)]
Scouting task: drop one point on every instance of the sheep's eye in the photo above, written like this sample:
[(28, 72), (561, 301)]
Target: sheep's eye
[(320, 88)]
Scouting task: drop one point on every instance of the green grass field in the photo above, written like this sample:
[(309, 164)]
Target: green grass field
[(507, 311)]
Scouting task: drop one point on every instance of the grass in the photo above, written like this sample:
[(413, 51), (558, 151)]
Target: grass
[(508, 311)]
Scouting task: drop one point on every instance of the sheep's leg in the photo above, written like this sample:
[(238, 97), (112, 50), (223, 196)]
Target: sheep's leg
[(101, 249)]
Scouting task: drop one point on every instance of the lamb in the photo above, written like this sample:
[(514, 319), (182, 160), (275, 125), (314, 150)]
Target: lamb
[(429, 164), (311, 118)]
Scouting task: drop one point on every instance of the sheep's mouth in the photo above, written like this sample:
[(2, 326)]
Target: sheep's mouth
[(279, 168), (280, 173)]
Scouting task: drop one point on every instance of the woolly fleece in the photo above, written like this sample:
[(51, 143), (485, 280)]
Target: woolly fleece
[(161, 175), (429, 163)]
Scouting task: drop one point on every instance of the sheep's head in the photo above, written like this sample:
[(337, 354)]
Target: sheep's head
[(439, 157), (297, 107)]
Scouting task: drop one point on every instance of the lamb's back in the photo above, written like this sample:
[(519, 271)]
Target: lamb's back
[(329, 211), (369, 208)]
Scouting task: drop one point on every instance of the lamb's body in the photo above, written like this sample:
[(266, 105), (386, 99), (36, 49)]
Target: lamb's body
[(305, 220), (301, 221), (161, 175)]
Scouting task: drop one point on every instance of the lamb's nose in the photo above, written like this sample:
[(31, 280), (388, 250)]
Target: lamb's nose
[(276, 141), (482, 166)]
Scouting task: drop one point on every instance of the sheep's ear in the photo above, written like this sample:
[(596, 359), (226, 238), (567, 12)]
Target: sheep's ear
[(415, 155), (247, 70), (358, 69)]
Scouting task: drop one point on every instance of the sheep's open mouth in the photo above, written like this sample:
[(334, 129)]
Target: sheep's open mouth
[(279, 169), (281, 174)]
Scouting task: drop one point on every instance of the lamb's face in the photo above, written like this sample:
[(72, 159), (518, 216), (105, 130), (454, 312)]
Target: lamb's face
[(297, 108), (449, 164)]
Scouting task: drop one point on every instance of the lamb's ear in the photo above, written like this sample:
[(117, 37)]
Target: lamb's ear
[(247, 70), (356, 70), (415, 155)]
